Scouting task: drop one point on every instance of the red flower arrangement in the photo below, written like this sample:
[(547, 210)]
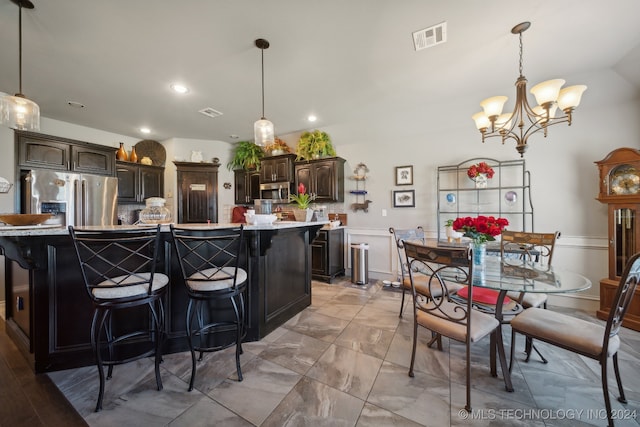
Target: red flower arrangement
[(481, 229), (482, 167)]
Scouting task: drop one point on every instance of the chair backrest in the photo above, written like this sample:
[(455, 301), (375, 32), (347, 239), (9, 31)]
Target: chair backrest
[(624, 295), (440, 265), (117, 258), (208, 254), (531, 246), (415, 235)]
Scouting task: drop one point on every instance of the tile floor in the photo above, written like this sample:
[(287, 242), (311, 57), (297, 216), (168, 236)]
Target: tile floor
[(343, 362)]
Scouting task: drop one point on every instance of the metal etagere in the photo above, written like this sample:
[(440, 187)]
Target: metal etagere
[(507, 195)]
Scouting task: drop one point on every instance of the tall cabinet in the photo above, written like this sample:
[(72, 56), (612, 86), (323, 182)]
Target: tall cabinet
[(619, 188), (507, 194), (197, 192)]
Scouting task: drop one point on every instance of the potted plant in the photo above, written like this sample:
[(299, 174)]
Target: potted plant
[(278, 147), (451, 233), (313, 145), (302, 201), (247, 156)]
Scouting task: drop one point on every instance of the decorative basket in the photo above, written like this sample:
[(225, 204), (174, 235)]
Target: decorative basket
[(5, 187)]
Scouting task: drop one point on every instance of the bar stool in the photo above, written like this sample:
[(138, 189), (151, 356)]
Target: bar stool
[(118, 268), (209, 260)]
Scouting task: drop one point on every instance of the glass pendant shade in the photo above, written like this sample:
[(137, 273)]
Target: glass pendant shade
[(493, 106), (548, 91), (263, 132), (570, 96), (481, 119), (18, 112)]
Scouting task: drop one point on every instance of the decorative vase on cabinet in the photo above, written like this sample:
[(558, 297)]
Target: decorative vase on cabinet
[(121, 154), (133, 157)]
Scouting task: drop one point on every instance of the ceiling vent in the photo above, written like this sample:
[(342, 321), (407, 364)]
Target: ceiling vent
[(430, 37), (210, 112)]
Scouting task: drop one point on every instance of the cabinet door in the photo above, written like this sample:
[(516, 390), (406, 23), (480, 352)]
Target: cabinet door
[(151, 182), (241, 192), (303, 176), (43, 154), (198, 197), (324, 180), (128, 183), (253, 183), (268, 170), (624, 236), (89, 160)]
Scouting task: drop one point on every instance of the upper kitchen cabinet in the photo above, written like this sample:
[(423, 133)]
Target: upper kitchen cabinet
[(197, 192), (247, 186), (277, 168), (322, 177), (138, 182), (36, 150)]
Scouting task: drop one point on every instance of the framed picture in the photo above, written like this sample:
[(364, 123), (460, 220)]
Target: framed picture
[(404, 199), (404, 175)]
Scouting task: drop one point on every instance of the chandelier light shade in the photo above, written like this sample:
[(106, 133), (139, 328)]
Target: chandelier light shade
[(18, 112), (263, 130), (525, 120)]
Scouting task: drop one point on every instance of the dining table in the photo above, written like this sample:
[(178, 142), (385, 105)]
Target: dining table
[(515, 274)]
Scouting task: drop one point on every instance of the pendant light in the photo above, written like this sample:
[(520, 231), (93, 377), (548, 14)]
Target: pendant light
[(18, 112), (263, 129)]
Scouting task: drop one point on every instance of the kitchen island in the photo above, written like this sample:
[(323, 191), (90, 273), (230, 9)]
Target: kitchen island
[(49, 312)]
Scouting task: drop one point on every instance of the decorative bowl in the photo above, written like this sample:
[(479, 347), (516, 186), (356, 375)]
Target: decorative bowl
[(24, 219), (260, 219)]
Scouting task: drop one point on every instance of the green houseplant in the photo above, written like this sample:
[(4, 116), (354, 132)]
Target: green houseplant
[(314, 144), (247, 156)]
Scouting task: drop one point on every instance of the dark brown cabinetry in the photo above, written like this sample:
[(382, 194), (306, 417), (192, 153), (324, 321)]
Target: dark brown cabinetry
[(327, 254), (322, 177), (138, 182), (36, 150), (277, 168), (247, 186), (197, 192)]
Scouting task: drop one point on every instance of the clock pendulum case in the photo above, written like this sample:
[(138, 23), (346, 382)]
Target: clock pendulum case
[(620, 190)]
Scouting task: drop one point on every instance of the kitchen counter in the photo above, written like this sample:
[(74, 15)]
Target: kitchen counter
[(49, 316)]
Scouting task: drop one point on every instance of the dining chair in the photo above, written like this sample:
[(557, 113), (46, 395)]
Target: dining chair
[(580, 336), (529, 246), (118, 268), (209, 260), (415, 235), (440, 315)]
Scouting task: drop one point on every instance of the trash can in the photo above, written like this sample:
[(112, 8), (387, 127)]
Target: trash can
[(360, 263)]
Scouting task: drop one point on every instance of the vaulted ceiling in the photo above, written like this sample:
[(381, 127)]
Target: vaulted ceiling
[(340, 60)]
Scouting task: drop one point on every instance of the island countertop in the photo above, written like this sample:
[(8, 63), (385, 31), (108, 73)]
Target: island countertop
[(44, 230)]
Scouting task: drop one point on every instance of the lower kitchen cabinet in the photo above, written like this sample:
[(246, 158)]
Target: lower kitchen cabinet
[(327, 254)]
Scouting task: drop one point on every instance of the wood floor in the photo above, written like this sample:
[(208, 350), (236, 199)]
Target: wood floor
[(27, 399)]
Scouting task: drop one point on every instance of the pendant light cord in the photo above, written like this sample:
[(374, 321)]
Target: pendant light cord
[(20, 48), (262, 52)]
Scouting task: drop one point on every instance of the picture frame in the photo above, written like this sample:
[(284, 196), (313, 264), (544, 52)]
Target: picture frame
[(404, 198), (404, 175)]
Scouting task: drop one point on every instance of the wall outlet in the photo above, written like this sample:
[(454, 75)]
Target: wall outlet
[(384, 212)]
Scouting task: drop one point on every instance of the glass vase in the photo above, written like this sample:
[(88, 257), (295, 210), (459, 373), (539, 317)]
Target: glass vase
[(481, 180), (479, 253), (121, 154)]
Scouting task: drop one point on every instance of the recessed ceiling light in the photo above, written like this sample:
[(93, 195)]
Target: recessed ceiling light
[(312, 118), (178, 88), (145, 130), (75, 104)]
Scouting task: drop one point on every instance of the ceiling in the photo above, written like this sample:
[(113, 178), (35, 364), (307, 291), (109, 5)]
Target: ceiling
[(344, 61)]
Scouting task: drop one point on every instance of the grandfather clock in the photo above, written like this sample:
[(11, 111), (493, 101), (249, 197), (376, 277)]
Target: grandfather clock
[(620, 190)]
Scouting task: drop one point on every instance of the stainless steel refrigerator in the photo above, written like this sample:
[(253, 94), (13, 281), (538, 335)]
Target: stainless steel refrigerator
[(73, 199)]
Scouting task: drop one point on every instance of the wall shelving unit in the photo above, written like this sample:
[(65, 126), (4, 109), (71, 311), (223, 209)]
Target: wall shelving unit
[(508, 194)]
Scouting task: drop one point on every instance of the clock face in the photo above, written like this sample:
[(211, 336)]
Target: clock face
[(624, 181)]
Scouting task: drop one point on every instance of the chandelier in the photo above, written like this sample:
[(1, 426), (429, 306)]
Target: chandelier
[(263, 129), (18, 112), (524, 120)]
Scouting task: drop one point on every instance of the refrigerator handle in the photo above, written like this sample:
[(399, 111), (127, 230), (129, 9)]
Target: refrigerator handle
[(76, 213), (84, 199)]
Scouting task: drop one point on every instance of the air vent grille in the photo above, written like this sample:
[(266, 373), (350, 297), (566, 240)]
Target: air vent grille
[(430, 37), (210, 112)]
